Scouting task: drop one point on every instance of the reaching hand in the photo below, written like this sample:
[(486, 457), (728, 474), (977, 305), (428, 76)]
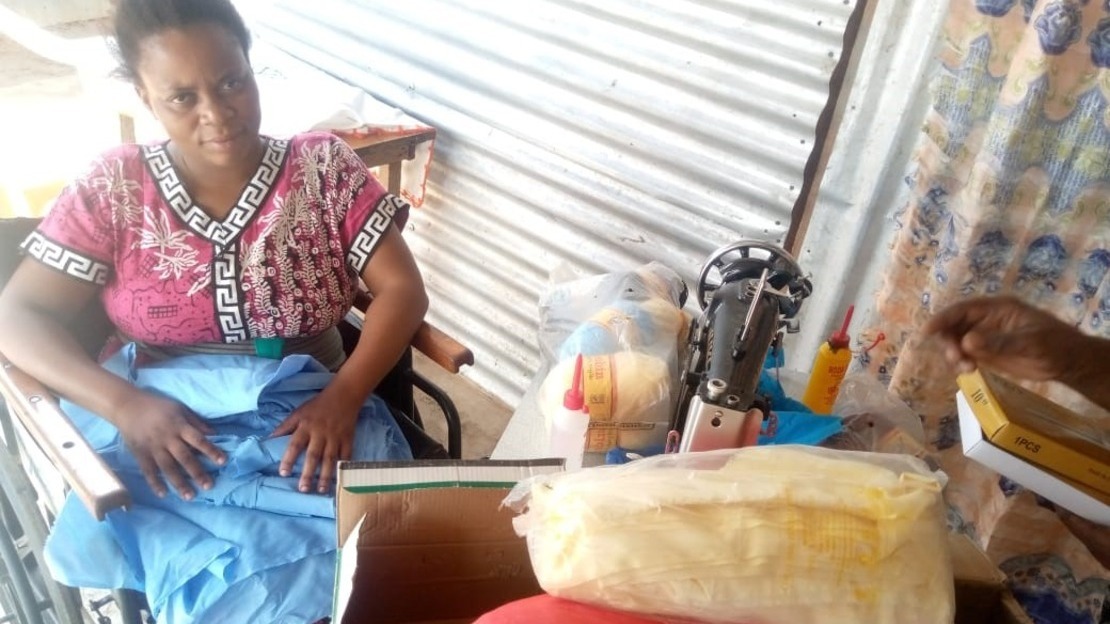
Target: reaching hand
[(164, 436), (1006, 335), (323, 429)]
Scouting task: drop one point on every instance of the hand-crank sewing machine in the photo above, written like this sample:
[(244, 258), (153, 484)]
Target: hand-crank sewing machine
[(749, 293)]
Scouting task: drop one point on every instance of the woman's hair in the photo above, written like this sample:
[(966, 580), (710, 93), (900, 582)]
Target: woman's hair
[(135, 20)]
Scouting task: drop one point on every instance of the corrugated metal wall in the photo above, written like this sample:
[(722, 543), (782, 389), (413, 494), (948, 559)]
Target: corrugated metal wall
[(596, 134), (847, 245)]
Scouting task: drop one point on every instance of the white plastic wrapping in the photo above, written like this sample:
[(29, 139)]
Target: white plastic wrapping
[(875, 419), (630, 329), (774, 535)]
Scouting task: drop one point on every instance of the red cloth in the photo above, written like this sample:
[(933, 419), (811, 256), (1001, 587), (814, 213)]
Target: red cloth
[(545, 609)]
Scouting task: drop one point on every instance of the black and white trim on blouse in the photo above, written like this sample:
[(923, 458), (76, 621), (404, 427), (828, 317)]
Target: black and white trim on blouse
[(228, 295), (220, 233), (66, 260), (366, 241)]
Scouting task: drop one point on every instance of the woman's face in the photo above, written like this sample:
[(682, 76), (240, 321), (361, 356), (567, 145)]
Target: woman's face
[(198, 83)]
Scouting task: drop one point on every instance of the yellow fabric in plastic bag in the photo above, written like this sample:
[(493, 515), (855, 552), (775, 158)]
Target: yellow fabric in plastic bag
[(775, 535), (640, 392)]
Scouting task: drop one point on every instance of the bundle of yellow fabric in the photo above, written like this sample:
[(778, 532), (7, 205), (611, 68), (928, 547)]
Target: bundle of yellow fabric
[(632, 348), (774, 535)]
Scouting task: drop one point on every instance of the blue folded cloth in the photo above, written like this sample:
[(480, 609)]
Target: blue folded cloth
[(251, 549)]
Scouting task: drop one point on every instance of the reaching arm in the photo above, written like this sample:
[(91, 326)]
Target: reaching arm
[(35, 308), (323, 428), (392, 318), (1089, 373), (1012, 337)]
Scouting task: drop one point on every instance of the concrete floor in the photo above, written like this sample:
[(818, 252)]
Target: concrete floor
[(50, 128)]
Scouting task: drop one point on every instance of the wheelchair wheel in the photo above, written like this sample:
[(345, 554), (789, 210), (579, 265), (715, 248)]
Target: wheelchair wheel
[(17, 599), (27, 593)]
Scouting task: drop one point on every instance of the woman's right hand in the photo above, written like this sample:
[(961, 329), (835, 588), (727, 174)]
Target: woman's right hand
[(165, 436)]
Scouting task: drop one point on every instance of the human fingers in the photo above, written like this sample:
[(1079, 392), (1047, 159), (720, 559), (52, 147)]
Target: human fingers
[(952, 352), (976, 344), (287, 426), (183, 453), (1031, 344), (199, 423), (327, 468), (312, 456), (1033, 353), (171, 471), (195, 437), (151, 473), (207, 448), (296, 444), (960, 317), (965, 366), (960, 361)]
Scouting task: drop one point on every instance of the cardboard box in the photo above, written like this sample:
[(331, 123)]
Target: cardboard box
[(1071, 496), (428, 542), (981, 594), (1038, 430)]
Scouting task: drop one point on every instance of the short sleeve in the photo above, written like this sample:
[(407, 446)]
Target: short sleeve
[(77, 236), (368, 210)]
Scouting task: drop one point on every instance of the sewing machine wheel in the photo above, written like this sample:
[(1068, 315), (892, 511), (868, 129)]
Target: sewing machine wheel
[(747, 259)]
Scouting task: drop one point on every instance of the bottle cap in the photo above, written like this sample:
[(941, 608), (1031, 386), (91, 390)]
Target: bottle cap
[(840, 339), (573, 399)]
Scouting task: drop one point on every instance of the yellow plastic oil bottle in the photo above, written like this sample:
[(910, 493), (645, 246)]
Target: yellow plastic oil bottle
[(829, 367)]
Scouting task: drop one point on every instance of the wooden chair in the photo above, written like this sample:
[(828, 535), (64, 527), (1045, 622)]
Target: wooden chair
[(33, 425)]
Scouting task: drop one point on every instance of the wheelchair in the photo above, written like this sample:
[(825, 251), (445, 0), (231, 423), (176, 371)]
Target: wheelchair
[(43, 456)]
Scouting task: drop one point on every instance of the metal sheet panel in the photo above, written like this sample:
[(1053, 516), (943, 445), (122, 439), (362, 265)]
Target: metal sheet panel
[(590, 135), (852, 227)]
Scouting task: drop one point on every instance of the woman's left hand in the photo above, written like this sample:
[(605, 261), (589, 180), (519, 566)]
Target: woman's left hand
[(323, 428)]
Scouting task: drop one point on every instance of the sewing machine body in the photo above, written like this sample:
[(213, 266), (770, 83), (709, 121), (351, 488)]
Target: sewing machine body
[(750, 293)]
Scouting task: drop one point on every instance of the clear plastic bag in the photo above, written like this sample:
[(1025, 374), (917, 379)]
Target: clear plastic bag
[(630, 328), (776, 535), (875, 419)]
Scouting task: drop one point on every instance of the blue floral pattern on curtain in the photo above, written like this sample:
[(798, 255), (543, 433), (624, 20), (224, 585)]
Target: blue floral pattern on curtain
[(1011, 194)]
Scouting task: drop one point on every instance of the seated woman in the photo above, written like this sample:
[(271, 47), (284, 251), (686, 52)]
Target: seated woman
[(209, 250)]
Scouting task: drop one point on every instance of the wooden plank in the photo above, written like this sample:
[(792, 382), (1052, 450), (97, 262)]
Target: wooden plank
[(394, 185), (377, 149), (441, 348), (828, 123), (82, 468)]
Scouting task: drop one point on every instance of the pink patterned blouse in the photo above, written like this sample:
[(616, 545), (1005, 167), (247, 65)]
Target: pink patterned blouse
[(283, 263)]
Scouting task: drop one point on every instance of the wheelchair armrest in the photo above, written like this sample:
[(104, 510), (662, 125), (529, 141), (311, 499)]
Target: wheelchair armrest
[(442, 349), (82, 468)]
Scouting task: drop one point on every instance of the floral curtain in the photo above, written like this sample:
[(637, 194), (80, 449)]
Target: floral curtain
[(1011, 194)]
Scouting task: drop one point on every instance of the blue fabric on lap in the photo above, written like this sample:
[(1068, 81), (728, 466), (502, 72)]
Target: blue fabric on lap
[(253, 528)]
